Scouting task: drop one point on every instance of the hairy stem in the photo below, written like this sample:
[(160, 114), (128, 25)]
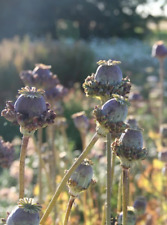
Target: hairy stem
[(67, 176), (24, 144), (70, 204)]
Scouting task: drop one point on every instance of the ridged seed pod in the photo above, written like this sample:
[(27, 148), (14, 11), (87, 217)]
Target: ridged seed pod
[(26, 213), (140, 206), (131, 217), (81, 178), (129, 147), (108, 72), (159, 50), (111, 115), (30, 110)]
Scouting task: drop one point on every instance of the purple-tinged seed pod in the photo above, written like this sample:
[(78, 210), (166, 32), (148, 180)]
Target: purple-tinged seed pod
[(42, 70), (140, 205), (108, 72), (81, 121), (81, 178), (30, 105), (6, 154), (129, 147), (111, 115), (131, 217), (26, 213), (30, 111), (132, 122), (132, 138), (159, 50), (163, 134), (163, 156), (40, 77), (115, 110)]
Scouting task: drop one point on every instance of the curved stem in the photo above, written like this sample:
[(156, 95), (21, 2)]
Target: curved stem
[(24, 144), (125, 193), (67, 176), (70, 204), (108, 209)]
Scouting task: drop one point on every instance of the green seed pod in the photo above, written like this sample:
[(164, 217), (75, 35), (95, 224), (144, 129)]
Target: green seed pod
[(81, 178), (140, 206), (26, 213), (131, 217), (108, 72)]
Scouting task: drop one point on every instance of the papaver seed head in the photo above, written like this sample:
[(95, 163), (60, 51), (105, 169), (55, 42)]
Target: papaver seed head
[(140, 205), (132, 138), (81, 121), (42, 70), (115, 109), (159, 50), (81, 178), (131, 217), (26, 213), (6, 153), (108, 72), (31, 102)]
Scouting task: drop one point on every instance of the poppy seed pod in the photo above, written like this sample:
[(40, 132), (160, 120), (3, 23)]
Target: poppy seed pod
[(131, 121), (108, 72), (129, 147), (30, 111), (31, 104), (159, 50), (140, 206), (81, 121), (106, 81), (26, 213), (6, 154), (111, 115), (40, 77), (131, 217), (163, 156), (81, 178), (163, 134)]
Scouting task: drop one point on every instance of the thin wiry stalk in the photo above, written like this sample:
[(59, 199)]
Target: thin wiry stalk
[(24, 144), (108, 209), (40, 164), (161, 76), (125, 193), (119, 200), (69, 207), (67, 176)]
